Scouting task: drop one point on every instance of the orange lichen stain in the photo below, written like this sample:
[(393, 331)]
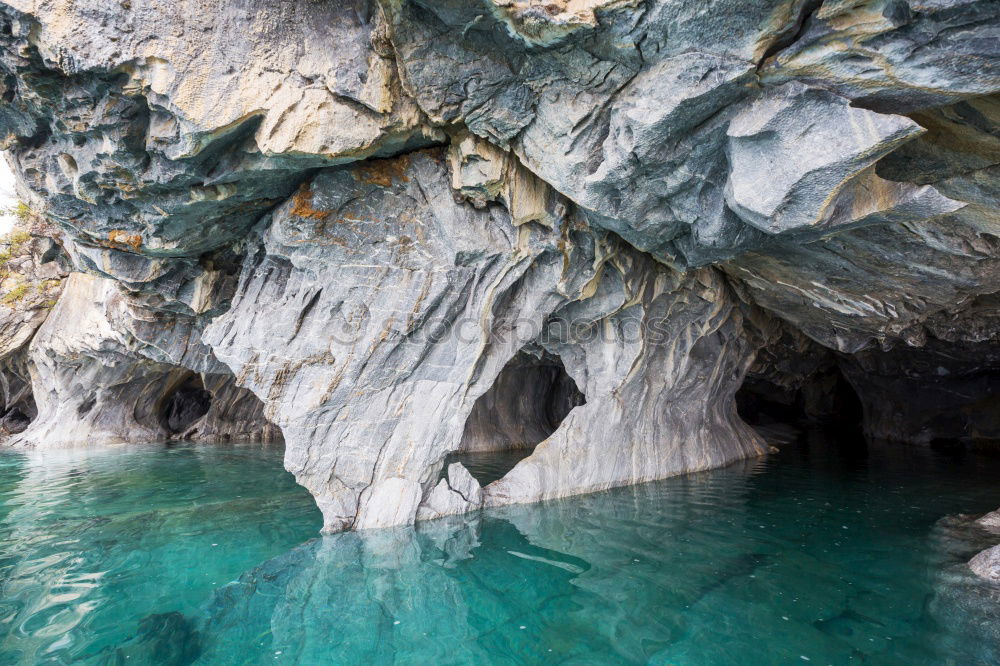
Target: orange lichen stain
[(383, 172), (302, 205), (119, 237)]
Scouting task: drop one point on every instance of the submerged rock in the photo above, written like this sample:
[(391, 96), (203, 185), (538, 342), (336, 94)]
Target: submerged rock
[(459, 492), (166, 638), (388, 231)]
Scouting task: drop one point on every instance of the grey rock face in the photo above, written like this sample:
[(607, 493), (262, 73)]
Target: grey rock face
[(363, 271), (94, 384), (813, 173), (648, 413), (404, 228), (398, 308), (150, 161), (897, 56), (912, 259), (88, 386)]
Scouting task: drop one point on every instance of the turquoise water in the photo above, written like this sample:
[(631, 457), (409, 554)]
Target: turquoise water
[(97, 546), (821, 553)]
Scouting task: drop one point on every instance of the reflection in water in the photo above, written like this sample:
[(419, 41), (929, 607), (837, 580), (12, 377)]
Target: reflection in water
[(821, 552), (816, 553)]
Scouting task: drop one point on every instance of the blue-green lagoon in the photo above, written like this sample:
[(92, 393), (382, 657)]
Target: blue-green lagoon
[(823, 553)]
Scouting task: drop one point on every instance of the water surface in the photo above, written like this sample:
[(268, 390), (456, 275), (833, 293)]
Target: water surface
[(822, 553), (98, 546)]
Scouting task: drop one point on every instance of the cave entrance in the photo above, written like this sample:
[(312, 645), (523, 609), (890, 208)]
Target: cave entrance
[(184, 405), (16, 419), (17, 402), (529, 399), (780, 406), (943, 394)]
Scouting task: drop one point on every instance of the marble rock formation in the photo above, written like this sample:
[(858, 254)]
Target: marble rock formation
[(399, 229), (393, 309), (95, 382)]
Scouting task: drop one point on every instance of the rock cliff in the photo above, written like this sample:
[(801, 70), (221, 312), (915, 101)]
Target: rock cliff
[(391, 230)]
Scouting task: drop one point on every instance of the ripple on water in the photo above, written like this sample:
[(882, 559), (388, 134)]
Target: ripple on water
[(92, 544), (188, 555)]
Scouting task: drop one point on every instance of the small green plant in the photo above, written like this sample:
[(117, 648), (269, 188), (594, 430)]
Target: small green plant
[(12, 244), (23, 212), (16, 294), (17, 238)]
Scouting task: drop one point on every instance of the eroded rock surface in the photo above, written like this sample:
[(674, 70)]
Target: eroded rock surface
[(369, 223), (94, 382), (990, 521), (32, 269), (397, 308)]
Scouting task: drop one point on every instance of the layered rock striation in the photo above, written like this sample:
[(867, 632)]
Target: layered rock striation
[(401, 229)]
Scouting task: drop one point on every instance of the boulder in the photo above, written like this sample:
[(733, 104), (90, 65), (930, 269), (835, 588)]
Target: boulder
[(987, 564)]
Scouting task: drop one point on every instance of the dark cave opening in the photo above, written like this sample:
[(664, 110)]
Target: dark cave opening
[(823, 399), (525, 405), (943, 394), (14, 421), (17, 403), (184, 405)]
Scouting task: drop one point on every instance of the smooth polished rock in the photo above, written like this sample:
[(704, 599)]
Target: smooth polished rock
[(397, 308), (803, 166), (90, 386)]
